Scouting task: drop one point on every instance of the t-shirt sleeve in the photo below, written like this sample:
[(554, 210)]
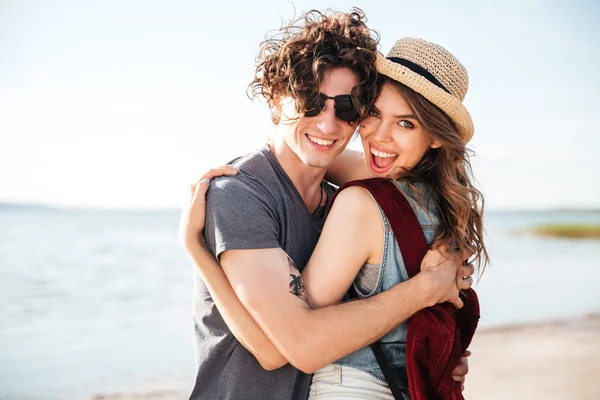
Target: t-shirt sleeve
[(239, 216)]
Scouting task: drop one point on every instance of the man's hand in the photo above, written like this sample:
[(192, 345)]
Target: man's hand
[(462, 369), (448, 274)]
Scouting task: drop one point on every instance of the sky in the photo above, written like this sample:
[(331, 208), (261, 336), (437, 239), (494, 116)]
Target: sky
[(120, 104)]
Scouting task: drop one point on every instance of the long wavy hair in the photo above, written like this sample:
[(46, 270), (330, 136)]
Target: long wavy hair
[(293, 59), (447, 171)]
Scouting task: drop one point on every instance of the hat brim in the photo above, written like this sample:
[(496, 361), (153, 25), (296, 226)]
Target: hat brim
[(446, 102)]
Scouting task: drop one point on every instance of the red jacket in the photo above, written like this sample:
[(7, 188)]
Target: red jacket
[(437, 336)]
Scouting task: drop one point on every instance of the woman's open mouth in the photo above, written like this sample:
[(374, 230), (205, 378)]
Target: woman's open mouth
[(380, 160)]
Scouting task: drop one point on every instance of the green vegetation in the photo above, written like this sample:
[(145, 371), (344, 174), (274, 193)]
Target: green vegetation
[(573, 231)]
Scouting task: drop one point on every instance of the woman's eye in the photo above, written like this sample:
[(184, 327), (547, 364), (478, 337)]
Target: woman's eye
[(406, 124), (373, 113)]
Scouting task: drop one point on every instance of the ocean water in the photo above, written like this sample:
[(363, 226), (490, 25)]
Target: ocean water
[(96, 302)]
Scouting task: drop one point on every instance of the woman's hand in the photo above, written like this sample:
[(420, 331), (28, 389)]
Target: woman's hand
[(462, 369), (193, 215)]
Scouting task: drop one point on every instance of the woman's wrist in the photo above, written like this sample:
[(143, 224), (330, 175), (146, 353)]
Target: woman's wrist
[(195, 239)]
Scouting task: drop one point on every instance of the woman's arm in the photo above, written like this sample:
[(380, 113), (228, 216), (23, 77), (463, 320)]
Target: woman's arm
[(348, 166), (352, 235), (235, 315), (353, 232)]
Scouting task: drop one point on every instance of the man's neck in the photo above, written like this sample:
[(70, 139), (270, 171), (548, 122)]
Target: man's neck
[(306, 179)]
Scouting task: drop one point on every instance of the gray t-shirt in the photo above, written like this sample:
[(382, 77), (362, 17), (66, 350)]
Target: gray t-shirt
[(259, 208)]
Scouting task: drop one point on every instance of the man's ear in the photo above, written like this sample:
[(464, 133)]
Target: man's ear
[(275, 103)]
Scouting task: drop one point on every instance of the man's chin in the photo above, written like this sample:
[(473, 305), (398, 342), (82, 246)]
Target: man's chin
[(318, 162), (318, 159)]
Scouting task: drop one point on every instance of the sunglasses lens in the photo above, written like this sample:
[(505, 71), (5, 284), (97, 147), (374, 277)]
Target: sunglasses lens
[(344, 109), (348, 116), (314, 106)]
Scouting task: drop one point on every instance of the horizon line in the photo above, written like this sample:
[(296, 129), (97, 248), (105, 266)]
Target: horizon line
[(141, 208)]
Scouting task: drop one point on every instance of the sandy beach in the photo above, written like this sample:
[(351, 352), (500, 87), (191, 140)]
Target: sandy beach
[(552, 360)]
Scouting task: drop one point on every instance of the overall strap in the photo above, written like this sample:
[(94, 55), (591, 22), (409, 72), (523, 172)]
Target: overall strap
[(413, 246), (402, 218), (396, 382)]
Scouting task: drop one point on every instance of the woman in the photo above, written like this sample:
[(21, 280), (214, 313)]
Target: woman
[(415, 135)]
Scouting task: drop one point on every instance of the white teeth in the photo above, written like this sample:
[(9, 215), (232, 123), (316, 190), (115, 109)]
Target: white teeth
[(381, 154), (321, 142)]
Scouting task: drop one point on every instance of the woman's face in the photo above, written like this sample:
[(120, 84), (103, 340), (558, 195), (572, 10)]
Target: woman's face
[(392, 137)]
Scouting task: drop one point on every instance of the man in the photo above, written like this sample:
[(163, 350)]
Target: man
[(262, 225)]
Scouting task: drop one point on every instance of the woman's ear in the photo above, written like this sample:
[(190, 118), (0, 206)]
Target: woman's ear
[(435, 144)]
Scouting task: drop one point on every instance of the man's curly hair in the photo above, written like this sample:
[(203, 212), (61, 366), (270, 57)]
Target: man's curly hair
[(292, 61)]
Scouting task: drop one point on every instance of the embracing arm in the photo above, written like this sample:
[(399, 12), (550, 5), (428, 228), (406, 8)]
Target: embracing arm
[(234, 314), (237, 318), (310, 339), (271, 288), (348, 166)]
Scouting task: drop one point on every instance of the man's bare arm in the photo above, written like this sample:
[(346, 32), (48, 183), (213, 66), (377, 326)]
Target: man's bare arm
[(311, 339)]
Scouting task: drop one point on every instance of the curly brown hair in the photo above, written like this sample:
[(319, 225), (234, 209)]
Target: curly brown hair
[(447, 171), (292, 60)]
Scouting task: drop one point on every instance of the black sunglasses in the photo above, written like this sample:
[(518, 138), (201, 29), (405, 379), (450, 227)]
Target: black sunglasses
[(344, 109)]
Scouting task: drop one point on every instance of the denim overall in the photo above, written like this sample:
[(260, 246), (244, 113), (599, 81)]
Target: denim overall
[(391, 272)]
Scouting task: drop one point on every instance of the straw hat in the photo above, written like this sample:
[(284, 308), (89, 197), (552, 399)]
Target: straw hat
[(430, 69)]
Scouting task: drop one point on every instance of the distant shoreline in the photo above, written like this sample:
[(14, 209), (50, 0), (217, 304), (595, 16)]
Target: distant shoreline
[(47, 207), (565, 322), (58, 207), (563, 231)]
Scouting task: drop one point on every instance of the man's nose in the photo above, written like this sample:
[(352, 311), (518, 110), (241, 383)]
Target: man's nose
[(327, 120)]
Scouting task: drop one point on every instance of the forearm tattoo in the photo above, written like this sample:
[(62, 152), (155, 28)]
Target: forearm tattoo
[(296, 282)]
